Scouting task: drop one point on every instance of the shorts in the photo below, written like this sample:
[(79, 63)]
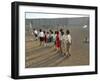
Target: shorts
[(41, 39), (35, 35)]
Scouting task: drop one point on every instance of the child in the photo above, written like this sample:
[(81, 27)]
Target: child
[(62, 48), (52, 36), (68, 43), (41, 36), (54, 39), (35, 32), (45, 38), (57, 42), (48, 38), (61, 34)]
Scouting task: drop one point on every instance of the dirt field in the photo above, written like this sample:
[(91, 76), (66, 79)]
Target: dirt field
[(40, 56)]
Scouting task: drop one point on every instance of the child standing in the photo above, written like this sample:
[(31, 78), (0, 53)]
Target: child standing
[(54, 39), (63, 43), (45, 38), (57, 42), (41, 36), (35, 32), (61, 34), (68, 43), (48, 38)]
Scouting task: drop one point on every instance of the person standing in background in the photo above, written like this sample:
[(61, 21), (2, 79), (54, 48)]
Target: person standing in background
[(45, 38), (62, 48), (48, 38), (35, 32), (61, 33), (41, 37), (57, 42), (68, 43)]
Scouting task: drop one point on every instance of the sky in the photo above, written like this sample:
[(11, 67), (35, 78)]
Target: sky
[(35, 15)]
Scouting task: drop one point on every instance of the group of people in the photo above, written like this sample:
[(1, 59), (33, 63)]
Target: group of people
[(61, 40)]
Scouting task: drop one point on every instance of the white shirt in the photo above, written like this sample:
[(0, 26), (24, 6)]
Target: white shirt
[(41, 34), (48, 35), (69, 38), (66, 38), (36, 32), (60, 37)]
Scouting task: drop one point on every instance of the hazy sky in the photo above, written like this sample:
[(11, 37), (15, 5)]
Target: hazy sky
[(29, 15)]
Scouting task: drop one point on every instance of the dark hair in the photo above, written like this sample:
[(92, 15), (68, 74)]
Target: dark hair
[(47, 32), (55, 32), (40, 30), (52, 32), (67, 32), (44, 32), (61, 30), (62, 33)]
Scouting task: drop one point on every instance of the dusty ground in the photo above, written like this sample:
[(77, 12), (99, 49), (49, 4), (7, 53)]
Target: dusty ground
[(40, 56)]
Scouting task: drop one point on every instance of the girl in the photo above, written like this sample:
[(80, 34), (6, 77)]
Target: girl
[(57, 42), (54, 39), (68, 43), (48, 38), (52, 36), (45, 39), (61, 34), (62, 48)]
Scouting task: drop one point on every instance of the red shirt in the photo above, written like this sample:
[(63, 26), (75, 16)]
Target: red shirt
[(57, 41)]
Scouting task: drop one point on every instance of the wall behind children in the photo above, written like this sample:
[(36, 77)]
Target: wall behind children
[(5, 40)]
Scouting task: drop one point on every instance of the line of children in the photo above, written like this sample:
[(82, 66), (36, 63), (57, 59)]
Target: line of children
[(45, 37), (41, 37), (61, 41)]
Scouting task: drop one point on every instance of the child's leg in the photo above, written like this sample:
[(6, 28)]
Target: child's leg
[(44, 44), (61, 47), (57, 49), (40, 41), (68, 49), (64, 48), (54, 45)]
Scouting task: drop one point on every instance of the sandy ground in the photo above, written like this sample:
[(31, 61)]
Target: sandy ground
[(40, 56)]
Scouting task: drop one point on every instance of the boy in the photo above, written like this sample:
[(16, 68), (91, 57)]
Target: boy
[(68, 43), (41, 36), (63, 36)]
